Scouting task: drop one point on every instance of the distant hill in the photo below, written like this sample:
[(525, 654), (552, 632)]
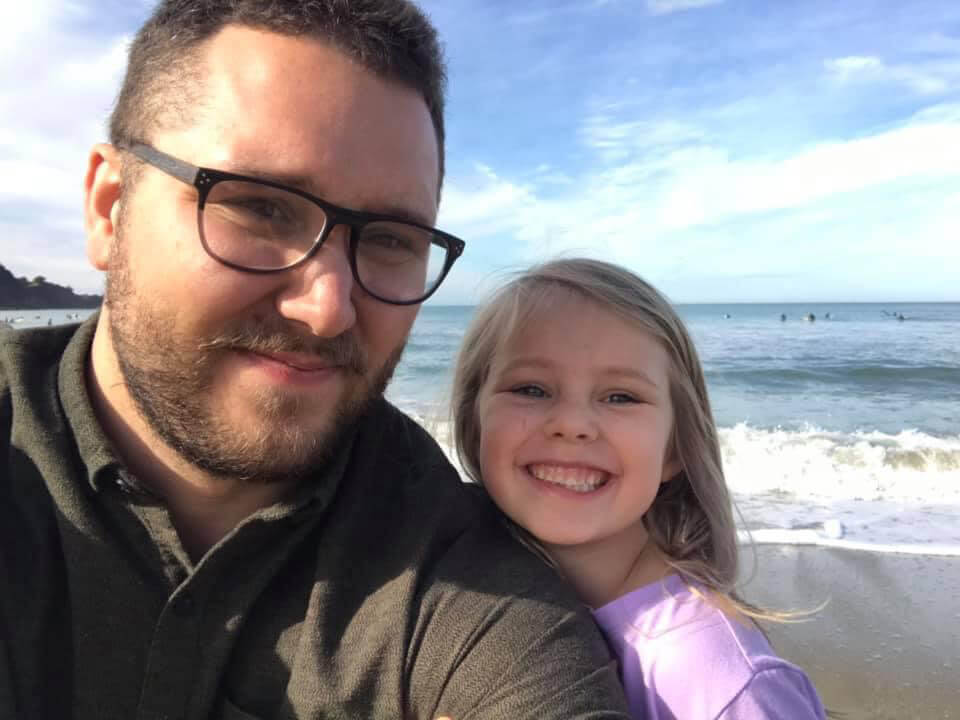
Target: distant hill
[(39, 293)]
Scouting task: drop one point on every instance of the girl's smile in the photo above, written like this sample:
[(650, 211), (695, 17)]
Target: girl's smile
[(578, 478)]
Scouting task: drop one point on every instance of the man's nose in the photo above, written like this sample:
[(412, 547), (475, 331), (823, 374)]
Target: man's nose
[(319, 294), (572, 420)]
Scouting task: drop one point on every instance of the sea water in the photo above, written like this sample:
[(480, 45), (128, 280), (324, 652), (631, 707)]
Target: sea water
[(839, 424), (835, 431)]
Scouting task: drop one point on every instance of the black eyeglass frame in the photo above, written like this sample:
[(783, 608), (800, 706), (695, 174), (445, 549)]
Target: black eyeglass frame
[(204, 179)]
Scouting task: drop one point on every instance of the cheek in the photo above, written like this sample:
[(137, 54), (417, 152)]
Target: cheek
[(383, 327), (484, 451), (212, 298), (495, 467), (169, 238), (180, 271), (490, 443)]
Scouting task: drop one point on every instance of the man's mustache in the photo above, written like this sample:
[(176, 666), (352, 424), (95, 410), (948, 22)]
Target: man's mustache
[(265, 339)]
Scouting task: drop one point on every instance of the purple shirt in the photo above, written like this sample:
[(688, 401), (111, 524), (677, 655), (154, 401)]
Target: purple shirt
[(682, 659)]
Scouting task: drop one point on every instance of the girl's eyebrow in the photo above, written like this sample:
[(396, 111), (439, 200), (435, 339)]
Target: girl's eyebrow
[(618, 371), (522, 363), (630, 373)]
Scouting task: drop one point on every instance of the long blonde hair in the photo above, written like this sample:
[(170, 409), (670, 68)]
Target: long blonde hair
[(691, 519)]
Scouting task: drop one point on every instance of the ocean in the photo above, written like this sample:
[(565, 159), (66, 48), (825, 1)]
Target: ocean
[(841, 431), (844, 430)]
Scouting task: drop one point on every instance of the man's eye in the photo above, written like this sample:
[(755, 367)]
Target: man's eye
[(261, 208), (385, 241), (532, 391)]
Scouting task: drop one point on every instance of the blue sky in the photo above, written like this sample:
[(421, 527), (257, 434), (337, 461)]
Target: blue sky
[(727, 150)]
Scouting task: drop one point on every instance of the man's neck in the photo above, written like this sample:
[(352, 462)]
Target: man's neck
[(203, 508)]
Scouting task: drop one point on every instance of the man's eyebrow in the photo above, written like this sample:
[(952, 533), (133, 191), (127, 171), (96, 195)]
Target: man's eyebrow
[(307, 184)]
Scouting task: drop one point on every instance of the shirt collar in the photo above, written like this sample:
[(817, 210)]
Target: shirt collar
[(95, 450)]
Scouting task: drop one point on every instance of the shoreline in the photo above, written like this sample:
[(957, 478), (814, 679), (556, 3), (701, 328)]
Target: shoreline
[(809, 537)]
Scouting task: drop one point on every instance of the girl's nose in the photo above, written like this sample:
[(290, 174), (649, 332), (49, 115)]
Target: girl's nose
[(572, 421)]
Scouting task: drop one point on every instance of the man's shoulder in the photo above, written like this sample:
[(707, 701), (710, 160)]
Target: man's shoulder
[(487, 560), (402, 437), (504, 632), (29, 360), (392, 444), (25, 351)]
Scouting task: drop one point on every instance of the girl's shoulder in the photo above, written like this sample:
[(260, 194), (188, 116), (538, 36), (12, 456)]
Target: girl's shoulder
[(678, 649), (670, 607)]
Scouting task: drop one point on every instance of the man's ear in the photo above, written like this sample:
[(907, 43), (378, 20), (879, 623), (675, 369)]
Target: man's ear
[(101, 206)]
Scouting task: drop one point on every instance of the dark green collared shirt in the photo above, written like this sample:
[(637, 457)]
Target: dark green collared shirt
[(383, 589)]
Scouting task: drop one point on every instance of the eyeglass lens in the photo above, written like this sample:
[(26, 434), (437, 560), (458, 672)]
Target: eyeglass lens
[(263, 228)]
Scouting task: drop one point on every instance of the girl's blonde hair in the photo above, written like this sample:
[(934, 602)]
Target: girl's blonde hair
[(691, 519)]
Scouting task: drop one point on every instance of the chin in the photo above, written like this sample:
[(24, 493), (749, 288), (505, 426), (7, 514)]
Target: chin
[(551, 537)]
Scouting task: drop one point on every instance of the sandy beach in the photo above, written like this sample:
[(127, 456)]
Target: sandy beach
[(886, 646)]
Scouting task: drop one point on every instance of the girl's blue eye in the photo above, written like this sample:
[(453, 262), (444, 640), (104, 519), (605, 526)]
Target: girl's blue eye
[(532, 391), (621, 399)]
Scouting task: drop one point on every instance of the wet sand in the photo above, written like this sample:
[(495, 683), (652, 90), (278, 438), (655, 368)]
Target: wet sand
[(886, 646)]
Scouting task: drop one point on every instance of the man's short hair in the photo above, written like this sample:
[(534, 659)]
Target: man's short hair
[(164, 82)]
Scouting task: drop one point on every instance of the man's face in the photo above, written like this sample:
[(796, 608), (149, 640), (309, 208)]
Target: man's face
[(258, 375)]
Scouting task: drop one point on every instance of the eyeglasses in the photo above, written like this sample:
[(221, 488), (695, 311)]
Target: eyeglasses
[(259, 226)]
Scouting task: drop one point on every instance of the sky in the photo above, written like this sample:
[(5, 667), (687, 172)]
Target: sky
[(726, 150)]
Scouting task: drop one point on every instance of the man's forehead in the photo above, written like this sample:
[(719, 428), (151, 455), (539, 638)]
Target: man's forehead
[(299, 108)]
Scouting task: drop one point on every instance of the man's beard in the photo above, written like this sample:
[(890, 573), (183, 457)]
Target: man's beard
[(170, 379)]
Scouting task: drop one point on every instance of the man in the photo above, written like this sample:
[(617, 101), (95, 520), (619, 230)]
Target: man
[(207, 507)]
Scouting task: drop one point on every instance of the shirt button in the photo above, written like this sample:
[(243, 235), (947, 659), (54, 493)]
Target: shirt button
[(184, 605)]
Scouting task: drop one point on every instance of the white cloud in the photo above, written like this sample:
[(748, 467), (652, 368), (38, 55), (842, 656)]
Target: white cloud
[(693, 203), (99, 69), (925, 80), (716, 186), (664, 7), (616, 139), (692, 181), (56, 89), (845, 67), (482, 204), (602, 131)]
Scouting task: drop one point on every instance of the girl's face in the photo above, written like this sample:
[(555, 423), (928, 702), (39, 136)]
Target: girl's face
[(575, 420)]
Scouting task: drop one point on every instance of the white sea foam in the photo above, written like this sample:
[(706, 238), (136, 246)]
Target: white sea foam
[(813, 463)]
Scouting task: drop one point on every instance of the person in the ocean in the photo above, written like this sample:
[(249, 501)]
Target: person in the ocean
[(580, 405), (208, 509)]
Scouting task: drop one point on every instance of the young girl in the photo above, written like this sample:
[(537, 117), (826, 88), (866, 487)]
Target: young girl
[(580, 405)]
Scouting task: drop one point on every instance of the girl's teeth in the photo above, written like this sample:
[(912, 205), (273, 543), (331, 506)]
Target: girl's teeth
[(582, 480)]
